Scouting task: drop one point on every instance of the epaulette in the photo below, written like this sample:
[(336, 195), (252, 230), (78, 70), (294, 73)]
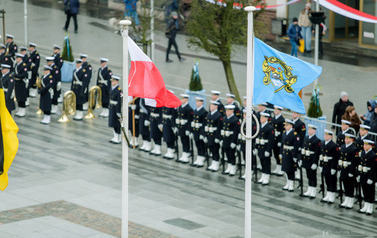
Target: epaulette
[(23, 64), (119, 89), (84, 70), (295, 133), (50, 76)]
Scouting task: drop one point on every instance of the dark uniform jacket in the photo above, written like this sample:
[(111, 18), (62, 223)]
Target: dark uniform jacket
[(155, 118), (265, 139), (184, 118), (289, 150), (212, 127), (8, 86), (367, 166), (79, 76), (115, 106), (86, 82), (329, 157), (35, 61), (300, 129), (20, 75), (198, 122), (348, 161), (168, 122), (236, 111), (4, 59), (103, 81), (221, 107), (360, 143), (46, 92), (56, 73), (58, 60), (230, 130), (278, 124), (310, 152), (341, 136), (11, 49)]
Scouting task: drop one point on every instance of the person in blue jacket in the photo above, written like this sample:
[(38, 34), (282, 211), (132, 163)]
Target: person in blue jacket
[(71, 9), (294, 35)]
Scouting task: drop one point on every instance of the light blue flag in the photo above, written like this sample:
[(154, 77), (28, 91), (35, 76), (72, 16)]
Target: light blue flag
[(278, 77)]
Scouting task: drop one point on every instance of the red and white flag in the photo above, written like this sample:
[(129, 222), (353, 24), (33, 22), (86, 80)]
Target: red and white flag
[(145, 80)]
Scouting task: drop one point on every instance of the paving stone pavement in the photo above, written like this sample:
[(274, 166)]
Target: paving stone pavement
[(66, 178)]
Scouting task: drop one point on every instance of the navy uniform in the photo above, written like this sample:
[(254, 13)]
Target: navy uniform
[(237, 111), (367, 173), (46, 93), (4, 59), (11, 47), (144, 126), (288, 153), (262, 109), (216, 97), (264, 143), (197, 128), (103, 81), (27, 60), (20, 76), (348, 161), (278, 124), (363, 135), (155, 118), (86, 82), (56, 87), (212, 128), (310, 152), (168, 130), (183, 122), (229, 135), (8, 86), (328, 161), (78, 87), (300, 129), (58, 60), (133, 107), (115, 110), (341, 135), (34, 66)]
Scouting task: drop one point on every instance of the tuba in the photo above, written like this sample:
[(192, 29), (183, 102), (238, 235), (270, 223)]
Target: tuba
[(69, 106), (38, 82), (95, 101)]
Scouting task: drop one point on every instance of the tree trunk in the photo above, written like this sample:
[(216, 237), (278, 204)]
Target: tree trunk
[(230, 79)]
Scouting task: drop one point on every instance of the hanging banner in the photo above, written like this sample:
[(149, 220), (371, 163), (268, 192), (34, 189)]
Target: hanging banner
[(347, 11), (239, 6)]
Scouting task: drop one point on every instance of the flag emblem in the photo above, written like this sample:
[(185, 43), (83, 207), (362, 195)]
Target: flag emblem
[(278, 74)]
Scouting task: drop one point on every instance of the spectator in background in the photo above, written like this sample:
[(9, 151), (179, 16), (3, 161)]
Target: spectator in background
[(71, 9), (322, 32), (294, 35), (367, 117), (351, 116), (171, 7), (130, 11), (306, 26), (170, 33), (340, 109)]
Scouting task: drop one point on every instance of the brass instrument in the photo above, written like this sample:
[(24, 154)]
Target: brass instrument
[(95, 101), (69, 106), (38, 82)]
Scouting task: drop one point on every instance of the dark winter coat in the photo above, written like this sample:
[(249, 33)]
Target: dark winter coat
[(339, 110), (74, 6)]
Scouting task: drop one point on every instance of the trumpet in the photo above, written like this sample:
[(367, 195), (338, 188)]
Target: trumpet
[(95, 101), (69, 106)]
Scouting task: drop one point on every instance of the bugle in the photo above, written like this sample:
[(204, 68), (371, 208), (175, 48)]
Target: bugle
[(69, 106)]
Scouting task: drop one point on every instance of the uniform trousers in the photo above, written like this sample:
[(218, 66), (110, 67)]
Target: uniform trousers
[(185, 144), (368, 191), (215, 151), (170, 145), (200, 146), (290, 175), (276, 151), (349, 186), (230, 155), (265, 162), (330, 182), (312, 177)]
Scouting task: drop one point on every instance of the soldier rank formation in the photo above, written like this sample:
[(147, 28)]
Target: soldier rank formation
[(347, 167)]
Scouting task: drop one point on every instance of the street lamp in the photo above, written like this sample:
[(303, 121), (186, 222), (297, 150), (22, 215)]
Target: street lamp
[(316, 18)]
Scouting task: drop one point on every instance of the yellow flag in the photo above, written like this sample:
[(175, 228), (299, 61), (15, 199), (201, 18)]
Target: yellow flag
[(8, 136)]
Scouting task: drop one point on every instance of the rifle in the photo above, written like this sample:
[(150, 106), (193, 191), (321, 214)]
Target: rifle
[(358, 194), (176, 146), (239, 162), (301, 182), (223, 159), (206, 154), (322, 186), (255, 167), (192, 151), (340, 194)]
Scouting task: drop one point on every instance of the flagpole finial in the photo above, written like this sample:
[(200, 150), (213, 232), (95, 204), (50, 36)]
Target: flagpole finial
[(125, 23), (250, 8)]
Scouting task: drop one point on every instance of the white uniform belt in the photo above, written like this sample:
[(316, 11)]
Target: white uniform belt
[(102, 81), (277, 133), (287, 147), (343, 163), (363, 169), (259, 141), (112, 102), (166, 116), (226, 133), (154, 114), (77, 82), (180, 121), (325, 158), (307, 152)]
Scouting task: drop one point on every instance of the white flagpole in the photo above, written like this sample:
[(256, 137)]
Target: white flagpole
[(124, 26), (152, 30), (249, 98), (25, 23), (316, 43)]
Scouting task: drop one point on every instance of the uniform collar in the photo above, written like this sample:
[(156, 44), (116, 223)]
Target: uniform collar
[(311, 136), (230, 116), (214, 112), (264, 124), (287, 132), (366, 152), (362, 137), (349, 144), (294, 120), (114, 87), (103, 67), (183, 105), (344, 132), (44, 76), (199, 108), (6, 73), (327, 141), (277, 117)]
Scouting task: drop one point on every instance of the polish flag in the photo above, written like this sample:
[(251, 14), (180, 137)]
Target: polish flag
[(145, 81)]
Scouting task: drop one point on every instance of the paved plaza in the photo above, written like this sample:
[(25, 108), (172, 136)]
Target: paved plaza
[(66, 178)]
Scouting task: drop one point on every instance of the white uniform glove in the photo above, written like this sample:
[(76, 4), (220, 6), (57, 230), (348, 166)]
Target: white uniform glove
[(217, 141), (191, 135), (266, 154), (280, 156), (314, 167), (232, 145), (279, 144), (238, 147), (332, 171), (320, 169), (147, 123), (299, 163), (369, 181), (201, 137), (187, 133), (119, 115), (358, 179), (350, 175), (205, 140), (160, 127), (133, 107), (338, 175), (255, 151), (221, 143), (295, 160), (175, 130)]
